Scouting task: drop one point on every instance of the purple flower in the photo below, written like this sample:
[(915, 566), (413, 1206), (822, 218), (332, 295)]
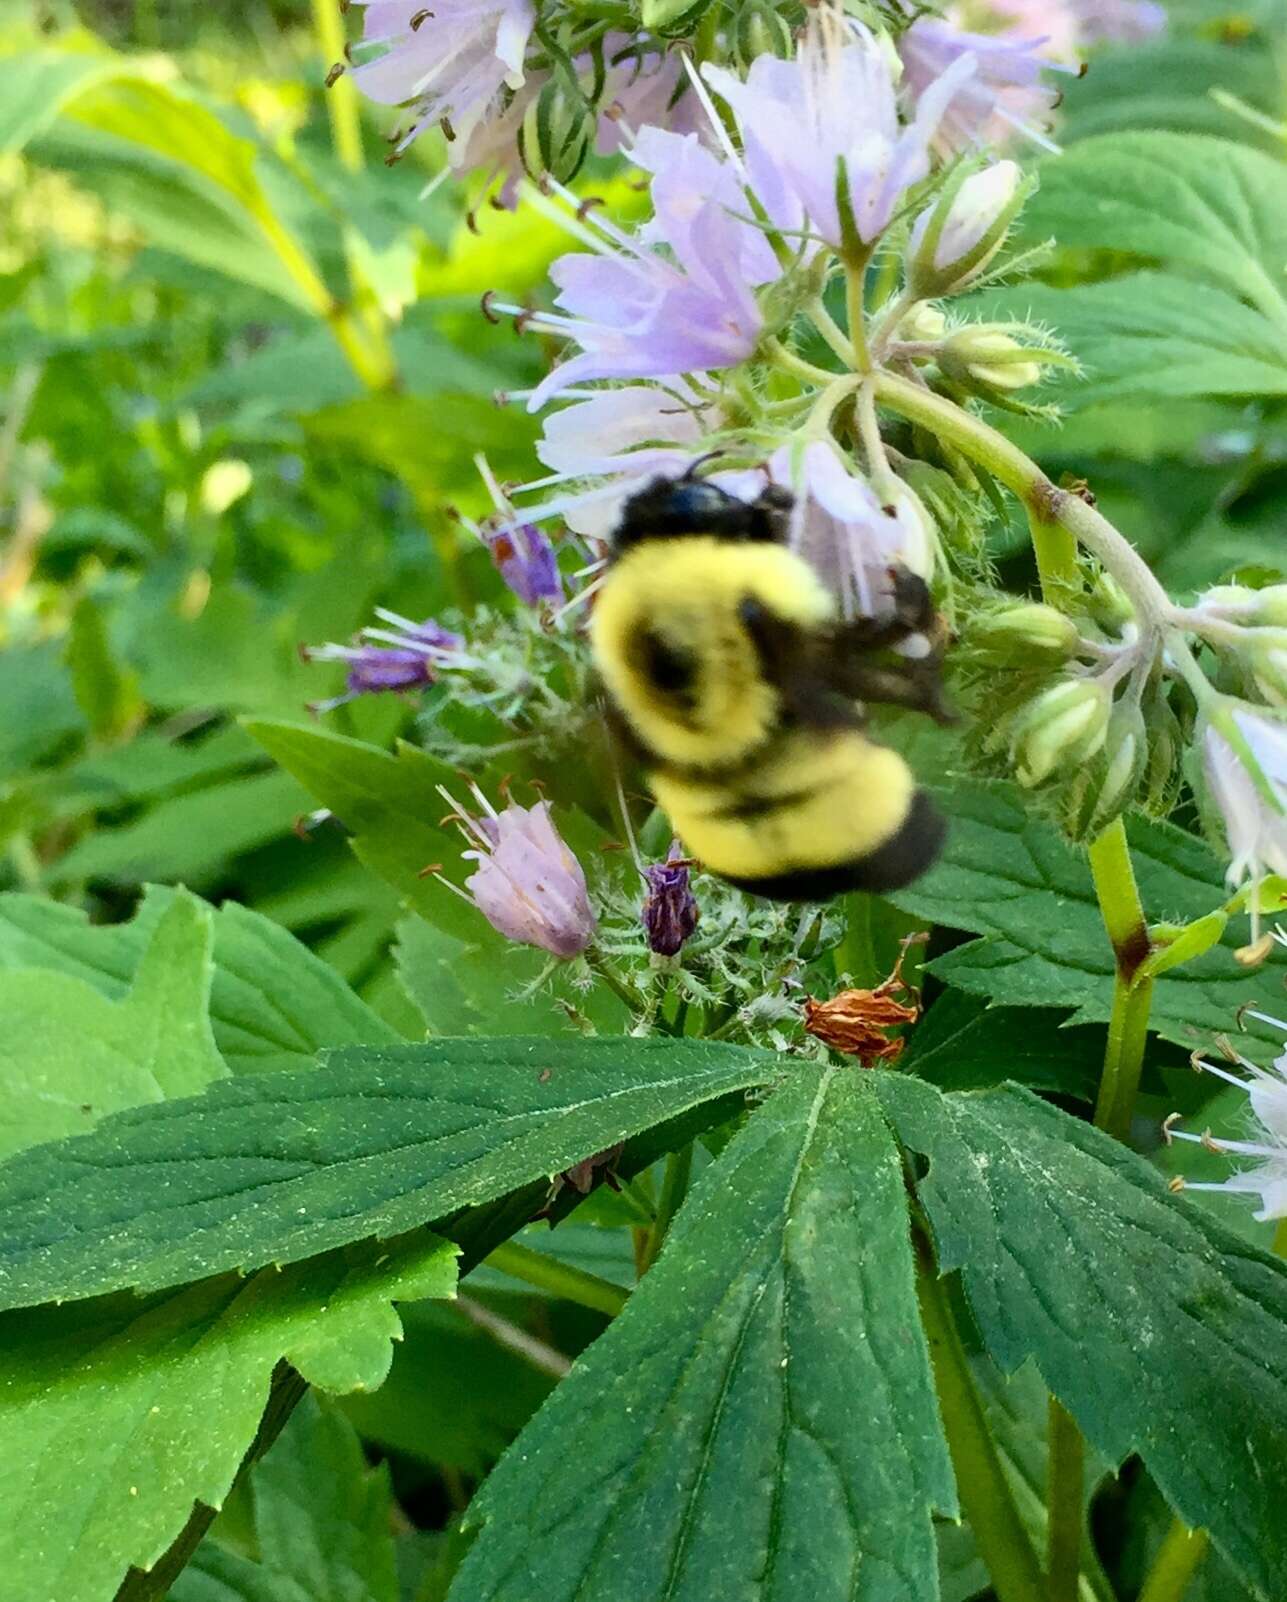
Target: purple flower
[(835, 103), (1005, 92), (670, 911), (528, 885), (450, 61), (643, 90), (676, 298), (847, 532), (1120, 21), (403, 657), (525, 559)]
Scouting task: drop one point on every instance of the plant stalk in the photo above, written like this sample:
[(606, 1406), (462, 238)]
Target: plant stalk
[(1065, 1489), (559, 1279), (341, 97), (1176, 1563), (985, 1494), (674, 1187)]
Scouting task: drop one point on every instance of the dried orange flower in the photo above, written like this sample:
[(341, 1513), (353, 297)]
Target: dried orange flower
[(855, 1020)]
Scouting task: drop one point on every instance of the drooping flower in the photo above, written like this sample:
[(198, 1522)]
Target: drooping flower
[(1266, 1090), (528, 885), (451, 61), (404, 656), (670, 911), (848, 533), (678, 297), (1255, 829), (824, 127), (1006, 93), (956, 239)]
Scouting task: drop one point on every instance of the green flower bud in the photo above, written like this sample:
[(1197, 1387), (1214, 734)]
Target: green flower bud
[(1025, 631), (1271, 607), (1109, 604), (953, 241), (986, 358), (761, 30), (923, 325), (1268, 665), (1104, 787), (558, 131), (1166, 748), (1065, 725)]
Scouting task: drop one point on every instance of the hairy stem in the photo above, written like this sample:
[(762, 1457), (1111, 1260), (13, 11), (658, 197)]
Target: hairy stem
[(559, 1279), (985, 1494)]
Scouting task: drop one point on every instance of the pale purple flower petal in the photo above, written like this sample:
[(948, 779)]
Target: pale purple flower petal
[(1006, 92), (848, 533), (834, 102), (451, 60), (1257, 834), (528, 885)]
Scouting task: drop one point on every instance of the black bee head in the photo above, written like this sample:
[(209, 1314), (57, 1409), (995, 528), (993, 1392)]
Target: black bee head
[(675, 508)]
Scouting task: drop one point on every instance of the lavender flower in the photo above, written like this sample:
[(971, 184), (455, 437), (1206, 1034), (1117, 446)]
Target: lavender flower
[(528, 885), (1004, 94), (452, 62), (825, 126), (1256, 830), (850, 534), (678, 297), (525, 560), (1266, 1090), (670, 911), (403, 657)]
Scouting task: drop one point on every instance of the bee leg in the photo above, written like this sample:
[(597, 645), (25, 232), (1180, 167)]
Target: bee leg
[(916, 686)]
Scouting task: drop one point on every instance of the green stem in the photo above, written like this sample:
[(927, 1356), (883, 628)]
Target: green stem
[(1064, 1495), (341, 97), (789, 362), (1175, 1564), (631, 998), (856, 314), (985, 1494), (559, 1279), (674, 1187), (1045, 502), (831, 331)]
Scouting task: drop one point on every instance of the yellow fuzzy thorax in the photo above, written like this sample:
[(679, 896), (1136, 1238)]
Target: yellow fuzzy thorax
[(687, 593)]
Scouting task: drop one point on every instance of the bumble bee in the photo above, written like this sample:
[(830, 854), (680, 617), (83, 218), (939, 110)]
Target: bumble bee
[(737, 685)]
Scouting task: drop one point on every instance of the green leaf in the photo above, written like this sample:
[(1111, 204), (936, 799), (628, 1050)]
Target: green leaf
[(1157, 334), (273, 1168), (106, 691), (1188, 200), (35, 85), (68, 1057), (1012, 877), (963, 1044), (454, 1396), (1161, 1332), (273, 1004), (321, 1522), (771, 1363), (185, 179), (190, 837), (116, 1415)]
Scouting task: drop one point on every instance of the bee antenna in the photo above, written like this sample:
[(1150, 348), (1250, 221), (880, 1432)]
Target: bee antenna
[(701, 461)]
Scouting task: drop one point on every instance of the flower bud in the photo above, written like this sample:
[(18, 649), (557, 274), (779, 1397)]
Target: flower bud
[(1024, 631), (954, 240), (1162, 772), (1271, 607), (1104, 787), (1109, 604), (1268, 665), (670, 912), (558, 131), (1066, 724), (923, 325), (985, 358), (761, 30)]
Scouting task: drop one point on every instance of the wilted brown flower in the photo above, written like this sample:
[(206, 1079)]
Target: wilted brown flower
[(854, 1021)]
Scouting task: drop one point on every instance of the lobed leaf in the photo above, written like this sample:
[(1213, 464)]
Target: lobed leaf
[(760, 1421), (1159, 1331), (275, 1168)]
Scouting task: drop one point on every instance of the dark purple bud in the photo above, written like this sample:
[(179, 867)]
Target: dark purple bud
[(524, 558), (670, 910)]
